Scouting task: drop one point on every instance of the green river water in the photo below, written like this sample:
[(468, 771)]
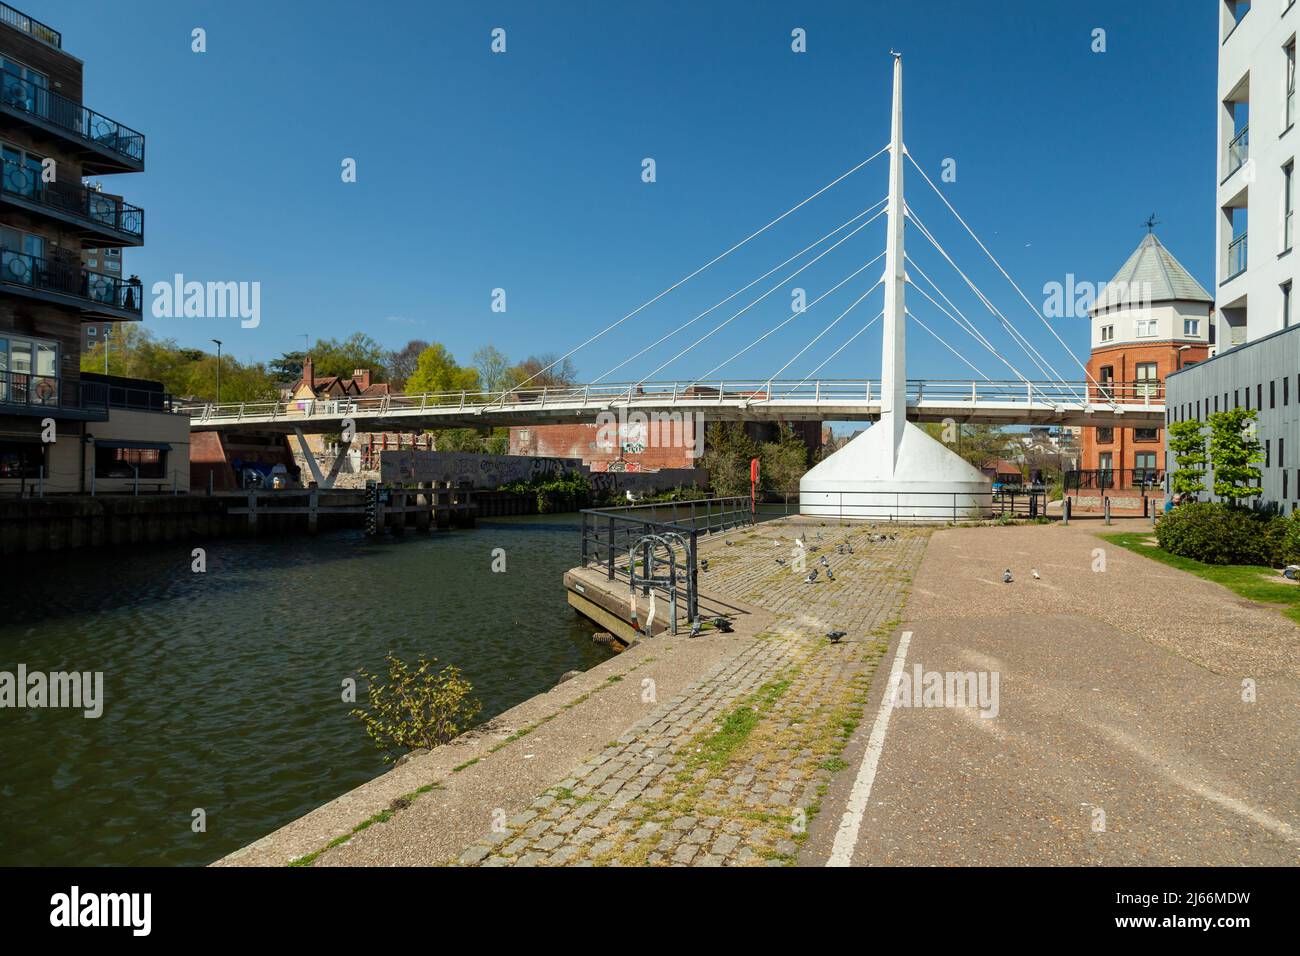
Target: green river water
[(222, 690)]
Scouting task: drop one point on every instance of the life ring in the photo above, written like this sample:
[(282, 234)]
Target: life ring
[(44, 390)]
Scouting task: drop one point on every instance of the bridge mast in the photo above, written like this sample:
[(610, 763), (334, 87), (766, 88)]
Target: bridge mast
[(893, 375)]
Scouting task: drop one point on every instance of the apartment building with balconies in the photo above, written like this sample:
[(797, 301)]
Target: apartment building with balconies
[(56, 232), (1256, 361)]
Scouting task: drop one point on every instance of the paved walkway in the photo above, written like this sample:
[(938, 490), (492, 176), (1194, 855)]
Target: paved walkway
[(730, 771), (1121, 735)]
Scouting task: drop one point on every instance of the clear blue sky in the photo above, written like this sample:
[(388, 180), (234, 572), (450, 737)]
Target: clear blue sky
[(523, 170)]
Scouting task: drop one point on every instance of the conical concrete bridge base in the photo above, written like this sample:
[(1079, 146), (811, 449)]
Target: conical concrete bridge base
[(929, 482)]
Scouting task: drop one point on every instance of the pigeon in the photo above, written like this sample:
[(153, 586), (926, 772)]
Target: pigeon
[(704, 564), (695, 627), (825, 563), (849, 547), (814, 549), (727, 542), (1006, 576), (837, 636), (722, 624), (1034, 572), (830, 575), (812, 576), (839, 549), (781, 561)]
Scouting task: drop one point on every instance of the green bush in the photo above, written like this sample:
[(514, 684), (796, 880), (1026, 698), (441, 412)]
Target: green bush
[(1288, 539), (1221, 534), (416, 708)]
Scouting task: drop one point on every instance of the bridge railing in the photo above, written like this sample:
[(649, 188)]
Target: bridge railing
[(695, 396)]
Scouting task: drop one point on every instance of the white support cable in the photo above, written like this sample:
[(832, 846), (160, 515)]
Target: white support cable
[(878, 317), (1040, 361), (912, 315), (1004, 272), (870, 209), (853, 305), (779, 284), (960, 319), (682, 281), (794, 315), (1035, 356)]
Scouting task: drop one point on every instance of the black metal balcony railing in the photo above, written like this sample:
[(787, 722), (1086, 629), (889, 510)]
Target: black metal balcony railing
[(43, 275), (73, 199), (49, 393), (1114, 479), (70, 116), (32, 27)]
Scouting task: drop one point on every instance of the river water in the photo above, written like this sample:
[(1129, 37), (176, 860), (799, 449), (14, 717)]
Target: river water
[(223, 690)]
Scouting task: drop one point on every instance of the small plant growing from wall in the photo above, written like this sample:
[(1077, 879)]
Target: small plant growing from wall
[(416, 708)]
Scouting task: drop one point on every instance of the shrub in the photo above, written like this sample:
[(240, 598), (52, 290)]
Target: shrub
[(423, 708), (1288, 539), (1216, 533)]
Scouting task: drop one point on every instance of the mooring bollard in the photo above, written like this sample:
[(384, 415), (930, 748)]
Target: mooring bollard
[(1065, 510), (1105, 507)]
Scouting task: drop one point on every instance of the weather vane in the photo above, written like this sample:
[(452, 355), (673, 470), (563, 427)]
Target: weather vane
[(1151, 223)]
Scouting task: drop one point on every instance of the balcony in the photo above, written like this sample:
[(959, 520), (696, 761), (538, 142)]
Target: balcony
[(32, 27), (103, 145), (1239, 150), (1237, 250), (94, 294), (100, 220), (22, 393)]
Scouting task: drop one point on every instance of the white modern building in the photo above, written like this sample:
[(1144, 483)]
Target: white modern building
[(1255, 229), (1255, 363)]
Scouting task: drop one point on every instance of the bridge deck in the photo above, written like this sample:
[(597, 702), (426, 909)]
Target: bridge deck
[(1138, 405)]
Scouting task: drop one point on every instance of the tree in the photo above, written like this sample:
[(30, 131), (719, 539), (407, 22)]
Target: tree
[(287, 369), (438, 371), (135, 352), (977, 444), (782, 463), (533, 372), (403, 362), (493, 369), (1234, 454), (358, 350), (1187, 445), (728, 450)]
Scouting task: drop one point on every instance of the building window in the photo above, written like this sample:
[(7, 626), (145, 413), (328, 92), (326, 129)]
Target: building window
[(29, 371), (1105, 436), (1146, 434), (1289, 51), (1268, 453), (1272, 394), (123, 462), (1286, 304), (21, 459), (1288, 206), (1146, 328), (1191, 327), (1259, 396), (92, 331), (1107, 333), (1147, 382)]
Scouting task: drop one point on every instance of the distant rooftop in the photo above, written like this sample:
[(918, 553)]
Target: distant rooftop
[(21, 21), (1152, 274)]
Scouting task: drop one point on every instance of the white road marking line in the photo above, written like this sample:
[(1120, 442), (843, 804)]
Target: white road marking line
[(846, 838)]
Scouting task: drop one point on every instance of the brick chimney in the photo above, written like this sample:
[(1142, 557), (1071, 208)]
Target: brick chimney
[(308, 373), (362, 377)]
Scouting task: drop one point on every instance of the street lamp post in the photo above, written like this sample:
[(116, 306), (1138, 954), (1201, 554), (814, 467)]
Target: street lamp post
[(218, 342)]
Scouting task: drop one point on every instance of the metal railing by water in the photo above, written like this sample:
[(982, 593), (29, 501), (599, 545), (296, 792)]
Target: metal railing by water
[(936, 506), (72, 117), (73, 199), (609, 533)]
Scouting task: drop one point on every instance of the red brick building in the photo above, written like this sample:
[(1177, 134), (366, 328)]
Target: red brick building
[(1151, 320), (634, 446)]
